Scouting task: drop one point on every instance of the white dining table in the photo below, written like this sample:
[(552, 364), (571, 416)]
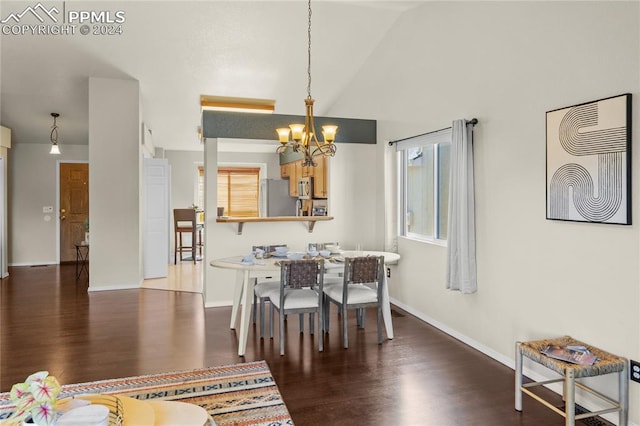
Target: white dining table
[(246, 273)]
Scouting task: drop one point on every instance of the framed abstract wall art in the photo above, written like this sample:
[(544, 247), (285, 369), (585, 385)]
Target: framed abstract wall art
[(589, 161)]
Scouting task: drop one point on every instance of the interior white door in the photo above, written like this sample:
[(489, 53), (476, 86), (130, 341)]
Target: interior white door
[(4, 270), (157, 173)]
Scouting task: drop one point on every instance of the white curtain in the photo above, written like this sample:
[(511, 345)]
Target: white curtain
[(461, 239)]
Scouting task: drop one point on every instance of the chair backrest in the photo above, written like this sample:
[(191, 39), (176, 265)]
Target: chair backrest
[(364, 270), (184, 218), (302, 273)]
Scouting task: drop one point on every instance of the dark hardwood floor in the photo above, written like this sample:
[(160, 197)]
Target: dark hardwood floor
[(422, 377)]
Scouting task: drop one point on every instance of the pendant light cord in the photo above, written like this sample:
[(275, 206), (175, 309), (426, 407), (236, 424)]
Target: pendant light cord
[(309, 54)]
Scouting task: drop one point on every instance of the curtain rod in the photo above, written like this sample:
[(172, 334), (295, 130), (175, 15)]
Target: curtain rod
[(473, 122)]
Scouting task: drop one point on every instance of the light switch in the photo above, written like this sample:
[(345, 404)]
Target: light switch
[(47, 209)]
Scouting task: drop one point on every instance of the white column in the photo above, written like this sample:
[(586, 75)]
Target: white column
[(114, 184)]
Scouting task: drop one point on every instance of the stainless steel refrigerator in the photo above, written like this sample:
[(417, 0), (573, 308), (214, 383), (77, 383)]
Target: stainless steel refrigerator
[(275, 198)]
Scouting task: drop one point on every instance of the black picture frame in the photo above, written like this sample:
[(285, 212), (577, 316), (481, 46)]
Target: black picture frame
[(588, 161)]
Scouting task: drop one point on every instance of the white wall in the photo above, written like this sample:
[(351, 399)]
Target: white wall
[(33, 173), (507, 63), (115, 190), (352, 204), (183, 176), (270, 159)]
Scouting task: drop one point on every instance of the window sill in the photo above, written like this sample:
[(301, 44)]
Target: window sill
[(423, 240)]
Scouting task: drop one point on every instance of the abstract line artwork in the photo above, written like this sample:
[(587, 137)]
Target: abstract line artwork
[(589, 162)]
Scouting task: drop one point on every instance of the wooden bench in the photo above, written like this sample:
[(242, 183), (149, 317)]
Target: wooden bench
[(606, 364)]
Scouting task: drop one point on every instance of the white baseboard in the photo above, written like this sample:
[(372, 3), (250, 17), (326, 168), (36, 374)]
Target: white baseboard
[(45, 263), (219, 304), (592, 405), (113, 287)]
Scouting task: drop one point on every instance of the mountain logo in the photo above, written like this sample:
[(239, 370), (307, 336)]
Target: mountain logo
[(39, 11)]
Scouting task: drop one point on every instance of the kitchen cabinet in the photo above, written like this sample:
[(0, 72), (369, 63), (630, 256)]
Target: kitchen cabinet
[(285, 170), (294, 171), (307, 171), (320, 173)]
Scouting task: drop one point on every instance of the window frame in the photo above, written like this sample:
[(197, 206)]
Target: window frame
[(435, 139)]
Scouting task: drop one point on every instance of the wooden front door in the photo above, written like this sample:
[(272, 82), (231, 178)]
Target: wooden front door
[(74, 207)]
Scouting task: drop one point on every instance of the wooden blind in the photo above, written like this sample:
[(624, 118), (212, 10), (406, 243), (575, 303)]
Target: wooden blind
[(238, 189)]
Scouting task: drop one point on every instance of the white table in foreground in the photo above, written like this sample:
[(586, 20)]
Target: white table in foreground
[(243, 295)]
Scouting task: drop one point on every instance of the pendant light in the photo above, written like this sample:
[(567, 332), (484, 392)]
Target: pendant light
[(55, 149), (304, 137)]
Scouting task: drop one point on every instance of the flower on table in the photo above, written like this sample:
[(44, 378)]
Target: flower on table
[(36, 397)]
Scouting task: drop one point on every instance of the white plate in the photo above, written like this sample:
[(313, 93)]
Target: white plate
[(89, 415), (136, 412), (276, 254), (178, 413)]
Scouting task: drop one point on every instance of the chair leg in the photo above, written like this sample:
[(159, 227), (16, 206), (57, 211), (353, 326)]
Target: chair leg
[(175, 248), (345, 338), (326, 309), (193, 244), (271, 320), (379, 317), (312, 318), (282, 333), (301, 320), (320, 329), (255, 306), (261, 317)]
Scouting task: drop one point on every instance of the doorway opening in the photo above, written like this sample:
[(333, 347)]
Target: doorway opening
[(73, 206)]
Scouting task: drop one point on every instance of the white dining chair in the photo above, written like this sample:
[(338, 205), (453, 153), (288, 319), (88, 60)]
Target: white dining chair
[(300, 292), (362, 288), (261, 291)]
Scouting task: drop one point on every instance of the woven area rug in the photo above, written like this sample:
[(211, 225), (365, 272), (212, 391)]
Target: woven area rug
[(239, 394)]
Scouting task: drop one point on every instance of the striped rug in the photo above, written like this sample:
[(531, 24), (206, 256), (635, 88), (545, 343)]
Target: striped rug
[(239, 394)]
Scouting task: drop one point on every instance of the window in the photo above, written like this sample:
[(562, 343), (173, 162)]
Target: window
[(238, 189), (424, 185)]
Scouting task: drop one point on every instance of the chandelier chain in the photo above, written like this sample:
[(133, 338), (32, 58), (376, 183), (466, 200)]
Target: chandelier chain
[(305, 139), (309, 54)]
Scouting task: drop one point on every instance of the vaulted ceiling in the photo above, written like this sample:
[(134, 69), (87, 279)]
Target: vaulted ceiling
[(179, 50)]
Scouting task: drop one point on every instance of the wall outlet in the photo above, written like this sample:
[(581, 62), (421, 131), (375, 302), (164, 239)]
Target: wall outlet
[(388, 272), (634, 372)]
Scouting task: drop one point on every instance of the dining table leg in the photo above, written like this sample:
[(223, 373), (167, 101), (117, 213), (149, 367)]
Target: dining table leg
[(247, 290), (386, 309), (237, 297)]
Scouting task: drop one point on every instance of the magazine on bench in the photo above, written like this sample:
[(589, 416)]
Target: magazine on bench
[(573, 354)]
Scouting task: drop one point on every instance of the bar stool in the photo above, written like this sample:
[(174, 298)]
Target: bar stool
[(184, 221)]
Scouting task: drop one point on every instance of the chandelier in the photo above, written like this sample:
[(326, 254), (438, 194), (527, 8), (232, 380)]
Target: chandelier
[(55, 149), (304, 139)]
